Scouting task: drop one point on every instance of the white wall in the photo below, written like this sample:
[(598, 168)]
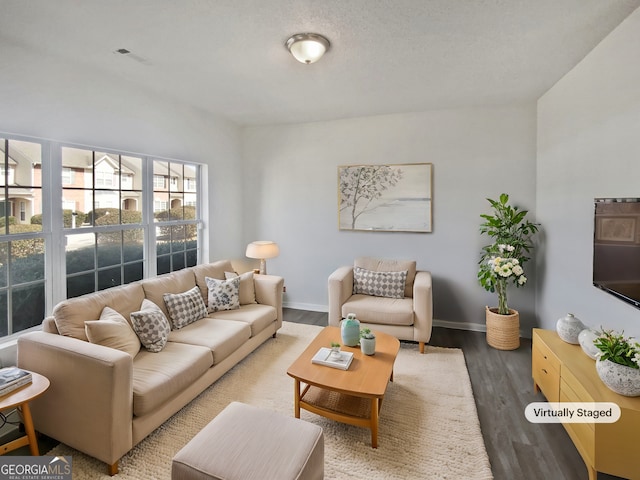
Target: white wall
[(45, 97), (588, 146), (291, 197)]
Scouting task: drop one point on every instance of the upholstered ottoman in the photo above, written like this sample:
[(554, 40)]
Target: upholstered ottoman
[(245, 442)]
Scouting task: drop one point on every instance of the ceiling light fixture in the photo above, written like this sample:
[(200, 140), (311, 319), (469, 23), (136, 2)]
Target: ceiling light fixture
[(307, 47)]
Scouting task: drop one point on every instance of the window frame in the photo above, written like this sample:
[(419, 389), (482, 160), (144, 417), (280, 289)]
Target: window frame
[(54, 233)]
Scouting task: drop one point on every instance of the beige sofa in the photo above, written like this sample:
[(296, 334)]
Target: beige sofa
[(103, 401), (409, 317)]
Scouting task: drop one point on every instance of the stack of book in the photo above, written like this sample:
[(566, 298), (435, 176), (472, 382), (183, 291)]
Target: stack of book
[(12, 378), (326, 357)]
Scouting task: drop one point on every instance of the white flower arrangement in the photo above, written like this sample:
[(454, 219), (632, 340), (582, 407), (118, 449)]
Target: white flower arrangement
[(506, 267), (498, 269)]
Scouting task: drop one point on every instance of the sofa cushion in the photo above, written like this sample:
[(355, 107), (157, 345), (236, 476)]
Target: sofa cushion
[(221, 337), (247, 288), (151, 326), (113, 330), (379, 284), (211, 270), (257, 316), (70, 314), (381, 310), (175, 282), (185, 308), (223, 294), (383, 265), (159, 377)]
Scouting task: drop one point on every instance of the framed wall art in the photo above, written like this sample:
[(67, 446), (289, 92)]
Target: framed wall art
[(386, 198)]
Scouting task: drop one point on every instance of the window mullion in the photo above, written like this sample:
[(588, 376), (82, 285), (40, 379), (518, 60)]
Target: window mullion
[(52, 221), (150, 250)]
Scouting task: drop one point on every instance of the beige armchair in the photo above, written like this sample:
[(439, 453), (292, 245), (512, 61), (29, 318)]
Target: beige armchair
[(408, 317)]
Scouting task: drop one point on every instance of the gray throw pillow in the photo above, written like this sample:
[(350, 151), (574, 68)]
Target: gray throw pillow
[(185, 308), (151, 326), (379, 284), (223, 294)]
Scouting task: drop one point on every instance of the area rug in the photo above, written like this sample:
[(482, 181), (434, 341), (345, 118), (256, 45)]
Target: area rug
[(429, 426)]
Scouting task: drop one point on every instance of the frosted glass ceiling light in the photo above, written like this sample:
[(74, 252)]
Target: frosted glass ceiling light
[(307, 47)]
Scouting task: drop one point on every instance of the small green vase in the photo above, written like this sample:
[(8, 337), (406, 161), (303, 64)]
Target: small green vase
[(350, 330)]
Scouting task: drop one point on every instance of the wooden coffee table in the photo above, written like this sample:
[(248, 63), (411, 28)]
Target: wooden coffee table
[(352, 396)]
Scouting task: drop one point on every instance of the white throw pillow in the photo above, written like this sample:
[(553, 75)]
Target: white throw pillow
[(113, 330), (151, 326), (247, 288), (379, 284), (185, 308), (223, 294)]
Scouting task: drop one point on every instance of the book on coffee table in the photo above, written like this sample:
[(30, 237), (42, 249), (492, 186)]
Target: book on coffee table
[(12, 378), (326, 357)]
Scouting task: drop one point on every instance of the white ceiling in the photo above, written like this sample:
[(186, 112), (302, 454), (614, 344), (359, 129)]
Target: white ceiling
[(228, 56)]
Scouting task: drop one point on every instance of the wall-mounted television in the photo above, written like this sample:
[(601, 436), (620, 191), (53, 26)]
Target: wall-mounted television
[(616, 248)]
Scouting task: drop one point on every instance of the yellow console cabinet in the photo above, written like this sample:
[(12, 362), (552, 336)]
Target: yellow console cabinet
[(564, 373)]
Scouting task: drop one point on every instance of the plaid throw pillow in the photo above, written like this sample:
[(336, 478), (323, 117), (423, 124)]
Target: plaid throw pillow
[(151, 326), (379, 284), (185, 308), (223, 294)]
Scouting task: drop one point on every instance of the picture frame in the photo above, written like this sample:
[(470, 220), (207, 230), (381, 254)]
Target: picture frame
[(385, 198)]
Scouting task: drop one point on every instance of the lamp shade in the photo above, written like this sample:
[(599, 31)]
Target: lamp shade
[(262, 249), (307, 47)]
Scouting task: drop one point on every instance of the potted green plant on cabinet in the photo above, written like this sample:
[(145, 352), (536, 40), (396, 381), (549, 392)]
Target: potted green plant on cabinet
[(618, 363), (502, 263)]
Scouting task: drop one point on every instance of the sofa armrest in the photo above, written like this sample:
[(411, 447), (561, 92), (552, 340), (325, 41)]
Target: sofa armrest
[(269, 290), (340, 289), (89, 404), (422, 307)]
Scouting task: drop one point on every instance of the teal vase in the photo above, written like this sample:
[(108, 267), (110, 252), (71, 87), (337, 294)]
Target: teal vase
[(350, 330)]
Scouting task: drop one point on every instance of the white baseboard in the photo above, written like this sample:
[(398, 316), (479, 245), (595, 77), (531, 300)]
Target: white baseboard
[(472, 327), (311, 307)]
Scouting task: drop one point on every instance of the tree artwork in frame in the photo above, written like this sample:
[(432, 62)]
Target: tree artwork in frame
[(385, 198)]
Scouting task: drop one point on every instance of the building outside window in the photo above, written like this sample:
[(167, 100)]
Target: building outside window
[(159, 181), (68, 176)]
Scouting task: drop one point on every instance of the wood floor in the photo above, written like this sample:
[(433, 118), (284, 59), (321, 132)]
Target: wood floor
[(502, 388)]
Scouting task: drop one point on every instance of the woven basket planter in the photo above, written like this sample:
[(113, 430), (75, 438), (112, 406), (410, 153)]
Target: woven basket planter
[(503, 331)]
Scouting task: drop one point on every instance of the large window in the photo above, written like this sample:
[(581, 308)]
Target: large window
[(105, 219), (22, 267)]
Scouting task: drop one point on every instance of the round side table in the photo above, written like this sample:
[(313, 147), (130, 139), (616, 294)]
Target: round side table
[(20, 399)]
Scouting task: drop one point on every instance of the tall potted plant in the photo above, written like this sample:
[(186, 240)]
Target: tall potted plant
[(502, 263)]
